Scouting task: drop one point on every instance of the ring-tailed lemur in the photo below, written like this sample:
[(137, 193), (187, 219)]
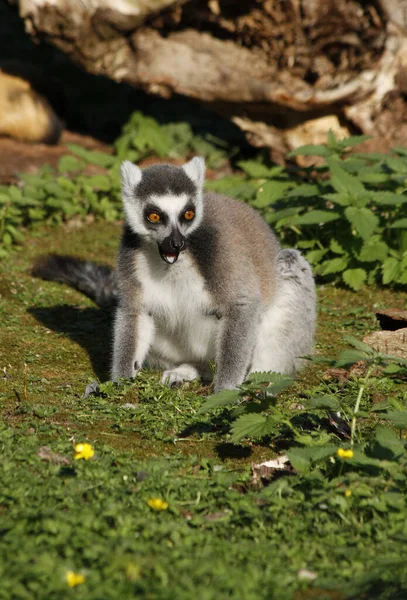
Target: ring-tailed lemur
[(200, 277)]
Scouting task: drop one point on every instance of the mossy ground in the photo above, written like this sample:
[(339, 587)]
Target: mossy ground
[(220, 538)]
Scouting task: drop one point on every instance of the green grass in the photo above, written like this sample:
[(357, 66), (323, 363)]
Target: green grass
[(223, 535)]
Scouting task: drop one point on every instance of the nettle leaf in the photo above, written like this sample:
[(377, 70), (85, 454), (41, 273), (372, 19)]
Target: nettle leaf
[(344, 182), (353, 140), (354, 278), (343, 199), (100, 182), (335, 265), (363, 220), (361, 346), (316, 217), (336, 248), (391, 269), (396, 164), (258, 170), (349, 357), (222, 398), (68, 163), (102, 159), (373, 250), (314, 256), (285, 213), (325, 402), (303, 458), (270, 192), (253, 425), (388, 198), (274, 382), (311, 150), (307, 190), (398, 418), (399, 150), (399, 224), (389, 440)]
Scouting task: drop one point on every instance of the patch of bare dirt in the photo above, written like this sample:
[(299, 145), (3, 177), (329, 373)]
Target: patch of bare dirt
[(22, 157)]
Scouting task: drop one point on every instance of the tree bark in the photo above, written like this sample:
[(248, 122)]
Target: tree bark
[(286, 71)]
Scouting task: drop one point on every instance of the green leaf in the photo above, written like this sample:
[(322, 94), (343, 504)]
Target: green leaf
[(258, 170), (388, 439), (253, 425), (388, 198), (92, 156), (270, 192), (373, 250), (399, 224), (400, 150), (344, 182), (390, 270), (335, 247), (398, 165), (68, 163), (221, 398), (325, 402), (316, 217), (363, 220), (311, 150), (52, 188), (100, 182), (315, 256), (349, 357), (335, 265), (285, 213), (302, 458), (276, 382), (343, 199), (305, 190), (354, 278), (299, 460), (354, 140), (398, 418), (361, 346)]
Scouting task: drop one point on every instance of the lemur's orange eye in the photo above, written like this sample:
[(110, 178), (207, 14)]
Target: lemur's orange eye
[(153, 217), (189, 215)]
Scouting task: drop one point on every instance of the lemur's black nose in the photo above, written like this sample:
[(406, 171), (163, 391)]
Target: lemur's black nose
[(177, 244)]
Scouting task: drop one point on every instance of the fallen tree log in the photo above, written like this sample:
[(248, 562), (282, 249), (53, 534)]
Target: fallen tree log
[(284, 71)]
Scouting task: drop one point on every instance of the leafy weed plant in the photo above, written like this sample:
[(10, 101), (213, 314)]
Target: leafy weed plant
[(348, 214)]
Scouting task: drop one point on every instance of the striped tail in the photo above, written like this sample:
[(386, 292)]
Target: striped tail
[(98, 282)]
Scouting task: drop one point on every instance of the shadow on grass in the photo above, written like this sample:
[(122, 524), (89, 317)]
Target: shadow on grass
[(91, 328)]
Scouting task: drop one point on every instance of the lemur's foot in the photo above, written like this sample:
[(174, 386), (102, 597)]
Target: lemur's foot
[(175, 377), (92, 389)]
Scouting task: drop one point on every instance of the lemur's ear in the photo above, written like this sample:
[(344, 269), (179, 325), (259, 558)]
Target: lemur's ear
[(130, 175), (195, 169)]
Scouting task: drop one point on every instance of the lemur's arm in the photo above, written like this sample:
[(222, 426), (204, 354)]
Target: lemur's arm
[(236, 343), (133, 333), (133, 327)]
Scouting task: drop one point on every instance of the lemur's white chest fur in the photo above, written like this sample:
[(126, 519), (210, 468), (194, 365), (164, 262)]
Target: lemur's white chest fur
[(180, 306)]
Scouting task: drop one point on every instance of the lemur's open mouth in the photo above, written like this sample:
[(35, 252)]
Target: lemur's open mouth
[(169, 257), (171, 247)]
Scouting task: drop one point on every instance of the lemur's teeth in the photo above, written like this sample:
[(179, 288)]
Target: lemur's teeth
[(171, 258)]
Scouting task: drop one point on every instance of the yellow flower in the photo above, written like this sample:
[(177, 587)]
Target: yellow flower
[(83, 451), (342, 453), (74, 579), (157, 504), (348, 493)]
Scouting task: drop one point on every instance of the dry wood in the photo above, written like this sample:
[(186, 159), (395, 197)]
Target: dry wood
[(284, 71)]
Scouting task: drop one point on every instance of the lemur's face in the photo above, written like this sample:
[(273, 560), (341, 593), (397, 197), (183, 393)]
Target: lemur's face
[(164, 204)]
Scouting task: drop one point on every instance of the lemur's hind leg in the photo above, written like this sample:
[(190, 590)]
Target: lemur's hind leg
[(287, 327), (174, 377)]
